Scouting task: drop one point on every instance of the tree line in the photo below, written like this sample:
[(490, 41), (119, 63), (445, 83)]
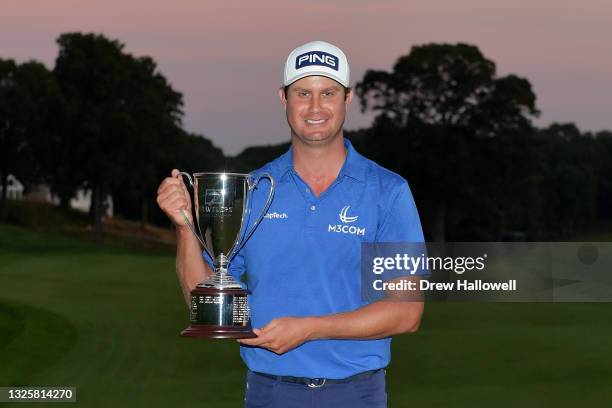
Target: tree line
[(465, 140), (101, 119), (464, 137)]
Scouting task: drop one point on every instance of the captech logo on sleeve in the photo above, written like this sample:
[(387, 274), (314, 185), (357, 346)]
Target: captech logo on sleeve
[(317, 58), (276, 216)]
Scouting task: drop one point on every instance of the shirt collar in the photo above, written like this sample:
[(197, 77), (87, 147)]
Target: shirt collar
[(353, 166)]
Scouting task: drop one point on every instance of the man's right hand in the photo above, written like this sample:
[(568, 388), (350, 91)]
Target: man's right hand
[(172, 197)]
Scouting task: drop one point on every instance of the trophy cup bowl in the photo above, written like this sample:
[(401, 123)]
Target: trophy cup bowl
[(219, 305)]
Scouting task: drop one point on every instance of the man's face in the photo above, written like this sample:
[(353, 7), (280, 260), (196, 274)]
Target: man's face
[(316, 108)]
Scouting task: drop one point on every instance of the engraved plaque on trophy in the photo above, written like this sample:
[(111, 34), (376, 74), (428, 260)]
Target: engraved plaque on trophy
[(219, 305)]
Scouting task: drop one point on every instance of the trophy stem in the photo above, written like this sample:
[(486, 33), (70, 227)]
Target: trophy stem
[(221, 278), (221, 262)]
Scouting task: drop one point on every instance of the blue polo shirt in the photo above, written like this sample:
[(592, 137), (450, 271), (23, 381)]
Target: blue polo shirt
[(304, 259)]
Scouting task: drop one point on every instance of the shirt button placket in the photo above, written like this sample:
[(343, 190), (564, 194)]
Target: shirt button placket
[(311, 217)]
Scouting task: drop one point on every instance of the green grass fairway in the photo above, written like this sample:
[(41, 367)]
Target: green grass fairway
[(106, 320)]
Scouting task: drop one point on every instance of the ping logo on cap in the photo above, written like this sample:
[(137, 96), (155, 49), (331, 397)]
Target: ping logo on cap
[(316, 58)]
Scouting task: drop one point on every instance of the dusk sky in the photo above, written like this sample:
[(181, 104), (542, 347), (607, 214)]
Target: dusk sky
[(227, 57)]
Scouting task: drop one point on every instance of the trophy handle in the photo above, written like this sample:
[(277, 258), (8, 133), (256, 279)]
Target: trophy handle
[(252, 185), (189, 224)]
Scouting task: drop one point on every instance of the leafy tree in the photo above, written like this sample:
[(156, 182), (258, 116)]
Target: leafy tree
[(29, 97), (188, 152), (122, 112), (568, 183), (434, 109), (93, 74), (154, 111), (604, 176), (254, 157)]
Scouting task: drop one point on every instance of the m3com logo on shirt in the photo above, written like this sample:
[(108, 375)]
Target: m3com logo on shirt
[(345, 218)]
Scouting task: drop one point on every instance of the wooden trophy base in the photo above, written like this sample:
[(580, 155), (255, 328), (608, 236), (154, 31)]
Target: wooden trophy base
[(218, 332)]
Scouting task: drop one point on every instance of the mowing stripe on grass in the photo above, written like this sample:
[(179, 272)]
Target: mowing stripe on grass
[(31, 340)]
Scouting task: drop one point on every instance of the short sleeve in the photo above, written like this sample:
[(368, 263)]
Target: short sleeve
[(401, 233), (401, 223)]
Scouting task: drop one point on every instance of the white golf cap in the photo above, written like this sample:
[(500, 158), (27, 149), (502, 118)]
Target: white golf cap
[(317, 58)]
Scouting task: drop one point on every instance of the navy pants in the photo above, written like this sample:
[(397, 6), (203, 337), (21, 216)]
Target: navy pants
[(263, 392)]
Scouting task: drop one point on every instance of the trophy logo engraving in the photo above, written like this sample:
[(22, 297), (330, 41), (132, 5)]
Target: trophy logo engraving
[(213, 197)]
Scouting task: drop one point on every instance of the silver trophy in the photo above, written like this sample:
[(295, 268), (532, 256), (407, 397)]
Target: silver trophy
[(219, 305)]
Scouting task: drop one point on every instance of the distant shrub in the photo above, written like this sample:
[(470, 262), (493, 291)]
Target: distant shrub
[(43, 215)]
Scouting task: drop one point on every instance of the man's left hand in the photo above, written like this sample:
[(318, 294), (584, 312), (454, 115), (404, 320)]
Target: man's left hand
[(282, 334)]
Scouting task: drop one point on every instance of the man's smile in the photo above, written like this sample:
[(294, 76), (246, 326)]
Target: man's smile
[(315, 122)]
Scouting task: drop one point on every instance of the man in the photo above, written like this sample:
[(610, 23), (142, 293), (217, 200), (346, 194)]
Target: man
[(318, 343)]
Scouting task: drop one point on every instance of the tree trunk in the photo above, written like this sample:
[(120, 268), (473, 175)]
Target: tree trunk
[(91, 213), (96, 196), (144, 213), (64, 202), (3, 206)]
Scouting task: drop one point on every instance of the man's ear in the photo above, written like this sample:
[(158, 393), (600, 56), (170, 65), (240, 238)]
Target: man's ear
[(349, 97), (282, 97)]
